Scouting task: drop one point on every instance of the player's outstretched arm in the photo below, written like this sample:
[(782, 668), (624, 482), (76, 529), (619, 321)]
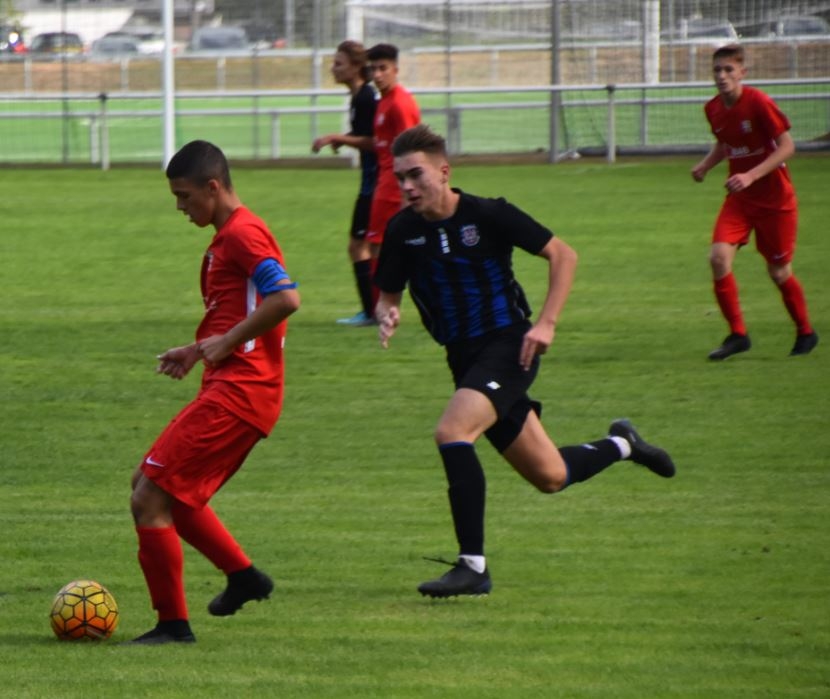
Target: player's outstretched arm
[(273, 309), (336, 140), (388, 315), (178, 361), (561, 259)]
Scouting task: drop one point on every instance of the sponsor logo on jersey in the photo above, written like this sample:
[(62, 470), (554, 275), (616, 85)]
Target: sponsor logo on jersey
[(416, 241), (493, 385), (469, 235)]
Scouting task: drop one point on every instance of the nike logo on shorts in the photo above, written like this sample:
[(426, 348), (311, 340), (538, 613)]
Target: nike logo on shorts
[(150, 460)]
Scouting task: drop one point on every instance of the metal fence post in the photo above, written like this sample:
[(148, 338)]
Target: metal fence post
[(454, 131), (611, 136), (275, 135), (103, 133), (94, 140)]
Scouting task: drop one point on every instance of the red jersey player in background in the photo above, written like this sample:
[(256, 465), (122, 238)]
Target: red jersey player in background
[(396, 112), (753, 134), (248, 295)]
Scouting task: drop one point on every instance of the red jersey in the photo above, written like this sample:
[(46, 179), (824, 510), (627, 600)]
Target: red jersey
[(249, 382), (748, 129), (396, 112)]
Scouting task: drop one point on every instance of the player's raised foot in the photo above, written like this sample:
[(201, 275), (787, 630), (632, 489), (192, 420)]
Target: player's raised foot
[(804, 344), (177, 631), (733, 344), (243, 586), (358, 320), (458, 580), (653, 458)]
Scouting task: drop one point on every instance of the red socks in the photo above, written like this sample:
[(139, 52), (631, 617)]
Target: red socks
[(793, 296), (161, 559), (204, 531), (726, 292)]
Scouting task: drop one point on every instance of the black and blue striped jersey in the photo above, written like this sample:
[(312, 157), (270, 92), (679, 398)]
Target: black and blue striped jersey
[(459, 271)]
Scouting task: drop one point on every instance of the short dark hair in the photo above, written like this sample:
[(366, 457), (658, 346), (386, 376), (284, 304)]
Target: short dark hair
[(380, 52), (419, 139), (735, 51), (200, 161)]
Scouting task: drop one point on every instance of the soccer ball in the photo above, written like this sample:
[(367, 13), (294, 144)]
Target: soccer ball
[(83, 609)]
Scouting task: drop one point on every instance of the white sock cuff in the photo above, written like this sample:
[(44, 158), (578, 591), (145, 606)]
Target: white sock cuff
[(622, 445), (476, 563)]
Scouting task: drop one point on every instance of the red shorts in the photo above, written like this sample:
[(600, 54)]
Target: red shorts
[(382, 211), (201, 448), (775, 229)]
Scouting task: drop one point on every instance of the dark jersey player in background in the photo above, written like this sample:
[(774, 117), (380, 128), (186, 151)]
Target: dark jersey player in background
[(350, 67), (454, 252)]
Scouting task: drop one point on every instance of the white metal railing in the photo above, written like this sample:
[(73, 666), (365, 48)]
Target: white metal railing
[(607, 97)]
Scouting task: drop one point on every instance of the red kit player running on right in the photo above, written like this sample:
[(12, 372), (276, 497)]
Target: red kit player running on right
[(753, 134)]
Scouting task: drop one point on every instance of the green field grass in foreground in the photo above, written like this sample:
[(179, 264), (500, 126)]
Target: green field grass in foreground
[(714, 584)]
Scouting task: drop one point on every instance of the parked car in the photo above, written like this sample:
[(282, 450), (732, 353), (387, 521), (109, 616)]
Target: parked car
[(109, 45), (262, 36), (701, 28), (797, 26), (11, 39), (623, 30), (57, 44), (222, 38), (150, 39)]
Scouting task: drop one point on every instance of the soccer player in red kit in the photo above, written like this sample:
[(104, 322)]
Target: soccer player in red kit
[(753, 134), (248, 296), (396, 112)]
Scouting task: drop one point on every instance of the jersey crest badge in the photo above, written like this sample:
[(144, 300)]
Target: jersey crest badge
[(746, 126), (469, 235)]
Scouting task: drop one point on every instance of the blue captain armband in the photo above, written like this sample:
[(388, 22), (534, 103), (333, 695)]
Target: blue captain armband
[(270, 276)]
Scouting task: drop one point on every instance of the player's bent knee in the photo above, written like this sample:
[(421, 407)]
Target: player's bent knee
[(550, 484), (446, 433), (149, 504)]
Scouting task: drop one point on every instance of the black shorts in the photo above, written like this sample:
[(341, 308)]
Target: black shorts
[(490, 365), (360, 216)]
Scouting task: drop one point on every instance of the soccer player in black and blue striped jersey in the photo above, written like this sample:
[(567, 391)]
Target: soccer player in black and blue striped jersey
[(454, 252)]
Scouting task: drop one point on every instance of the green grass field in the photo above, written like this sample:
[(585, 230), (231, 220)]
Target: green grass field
[(712, 585)]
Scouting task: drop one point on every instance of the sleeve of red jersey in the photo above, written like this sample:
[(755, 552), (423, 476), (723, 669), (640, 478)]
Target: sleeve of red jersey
[(405, 115), (774, 121), (249, 245)]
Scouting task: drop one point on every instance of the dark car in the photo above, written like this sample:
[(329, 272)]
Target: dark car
[(57, 44), (114, 46), (219, 39), (798, 26)]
